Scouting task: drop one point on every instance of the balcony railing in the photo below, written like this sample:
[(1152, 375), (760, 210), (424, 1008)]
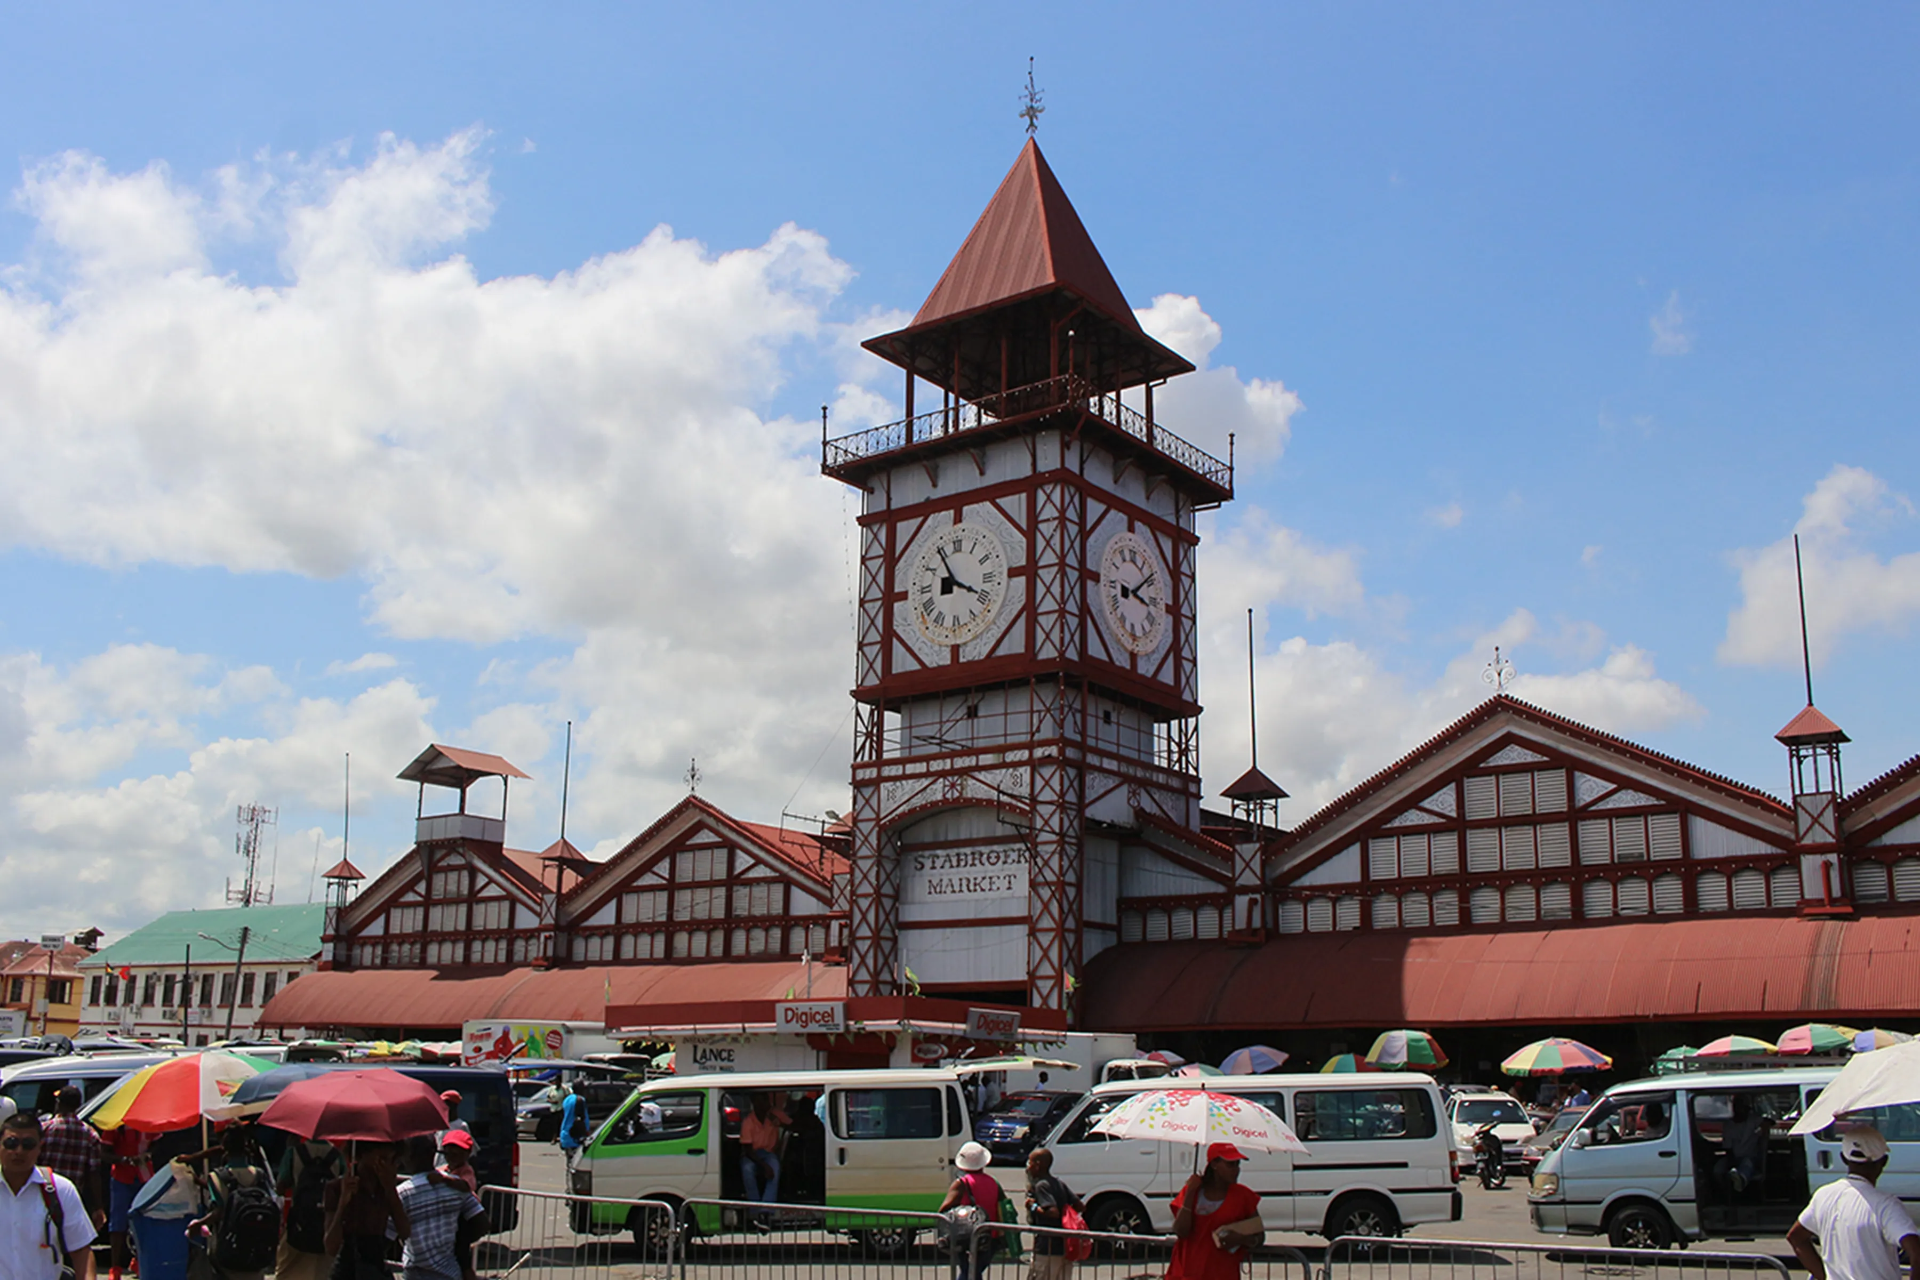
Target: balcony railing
[(459, 826), (1067, 391)]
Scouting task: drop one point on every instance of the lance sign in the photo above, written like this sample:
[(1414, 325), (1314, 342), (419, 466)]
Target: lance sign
[(811, 1015), (993, 1024)]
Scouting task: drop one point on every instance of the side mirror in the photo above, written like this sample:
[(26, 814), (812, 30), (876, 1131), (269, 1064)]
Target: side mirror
[(1581, 1139)]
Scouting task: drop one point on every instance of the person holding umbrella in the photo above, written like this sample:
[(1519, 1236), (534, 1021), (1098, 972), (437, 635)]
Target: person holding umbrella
[(1216, 1219), (360, 1208)]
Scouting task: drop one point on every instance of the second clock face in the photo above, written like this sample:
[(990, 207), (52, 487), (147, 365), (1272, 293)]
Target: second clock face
[(1133, 592), (957, 583)]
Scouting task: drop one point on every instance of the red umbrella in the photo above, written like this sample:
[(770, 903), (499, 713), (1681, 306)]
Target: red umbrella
[(380, 1105)]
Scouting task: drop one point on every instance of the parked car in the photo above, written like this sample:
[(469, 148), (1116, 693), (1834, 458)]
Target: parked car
[(537, 1110), (1469, 1113), (1535, 1149), (1013, 1126)]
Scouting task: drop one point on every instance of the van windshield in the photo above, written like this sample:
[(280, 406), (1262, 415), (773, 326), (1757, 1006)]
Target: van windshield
[(1490, 1111)]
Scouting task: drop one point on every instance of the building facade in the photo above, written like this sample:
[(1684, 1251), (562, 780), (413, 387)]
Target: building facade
[(42, 984)]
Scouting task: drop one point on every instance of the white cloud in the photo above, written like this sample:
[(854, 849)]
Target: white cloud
[(1671, 337), (365, 662), (1590, 555), (1850, 588), (1447, 517), (1210, 404)]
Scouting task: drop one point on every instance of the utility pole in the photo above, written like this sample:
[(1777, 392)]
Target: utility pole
[(186, 994), (234, 995)]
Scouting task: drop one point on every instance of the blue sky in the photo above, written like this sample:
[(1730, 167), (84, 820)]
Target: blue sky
[(353, 396)]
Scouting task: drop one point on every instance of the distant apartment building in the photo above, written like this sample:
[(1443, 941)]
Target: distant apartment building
[(40, 986)]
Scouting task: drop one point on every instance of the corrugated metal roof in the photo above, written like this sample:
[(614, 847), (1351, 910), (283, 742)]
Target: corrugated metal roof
[(1811, 725), (456, 767), (1736, 967), (424, 999), (275, 933)]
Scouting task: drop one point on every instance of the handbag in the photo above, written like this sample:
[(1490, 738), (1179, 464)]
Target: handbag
[(1078, 1248), (1009, 1239)]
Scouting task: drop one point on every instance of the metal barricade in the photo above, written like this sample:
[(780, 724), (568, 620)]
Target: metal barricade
[(1413, 1258), (747, 1240), (576, 1237), (1109, 1256)]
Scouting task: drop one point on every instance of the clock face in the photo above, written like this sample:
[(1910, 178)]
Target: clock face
[(957, 583), (1133, 592)]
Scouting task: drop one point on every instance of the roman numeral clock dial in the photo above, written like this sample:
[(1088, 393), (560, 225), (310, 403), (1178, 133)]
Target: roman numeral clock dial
[(958, 582), (1133, 593)]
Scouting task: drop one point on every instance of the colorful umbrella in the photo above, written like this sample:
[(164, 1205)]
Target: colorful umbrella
[(1253, 1060), (1344, 1063), (255, 1095), (1167, 1056), (1199, 1116), (1728, 1045), (1868, 1041), (373, 1105), (1197, 1070), (1817, 1037), (1395, 1050), (1555, 1056), (178, 1092)]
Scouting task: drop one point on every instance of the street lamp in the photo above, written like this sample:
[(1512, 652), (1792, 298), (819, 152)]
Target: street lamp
[(240, 956)]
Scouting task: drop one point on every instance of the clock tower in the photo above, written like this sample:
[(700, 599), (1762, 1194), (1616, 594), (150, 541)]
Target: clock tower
[(1027, 704)]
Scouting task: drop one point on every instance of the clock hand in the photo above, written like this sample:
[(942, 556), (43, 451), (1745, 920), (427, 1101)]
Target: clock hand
[(950, 574)]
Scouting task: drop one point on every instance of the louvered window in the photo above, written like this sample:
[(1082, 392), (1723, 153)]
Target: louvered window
[(1749, 890), (1663, 836), (1348, 914), (1632, 897), (1446, 853), (1516, 794), (1596, 899), (1483, 849), (1413, 855), (1446, 907), (1596, 842), (1482, 801), (1630, 839), (1382, 862), (1180, 923), (1293, 916), (1710, 891), (1522, 906), (1669, 894), (1870, 882), (1132, 927), (1386, 912), (1485, 904), (1206, 922), (1319, 915), (1156, 925), (1556, 901), (1556, 848), (1550, 791), (1516, 848), (1906, 880), (1415, 911), (1784, 885)]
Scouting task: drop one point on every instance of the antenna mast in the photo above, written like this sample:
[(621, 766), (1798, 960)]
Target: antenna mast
[(251, 817), (1253, 704), (566, 776), (1806, 654)]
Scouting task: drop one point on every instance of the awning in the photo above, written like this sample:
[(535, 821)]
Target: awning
[(1789, 969), (429, 999)]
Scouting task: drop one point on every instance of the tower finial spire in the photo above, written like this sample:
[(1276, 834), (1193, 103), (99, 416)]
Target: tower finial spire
[(1806, 653), (1031, 110)]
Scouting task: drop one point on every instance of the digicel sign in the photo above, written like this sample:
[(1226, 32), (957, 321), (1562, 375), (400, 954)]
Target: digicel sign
[(993, 1024), (820, 1015)]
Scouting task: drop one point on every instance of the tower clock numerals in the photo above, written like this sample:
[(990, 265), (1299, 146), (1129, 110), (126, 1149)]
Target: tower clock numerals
[(957, 583), (1133, 592)]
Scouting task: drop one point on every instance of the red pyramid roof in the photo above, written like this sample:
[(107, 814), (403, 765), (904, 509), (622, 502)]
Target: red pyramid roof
[(343, 870), (1254, 785), (563, 850), (1809, 727)]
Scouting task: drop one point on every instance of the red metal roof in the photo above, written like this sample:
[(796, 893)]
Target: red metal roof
[(1810, 726), (427, 999), (1254, 785), (456, 767), (1786, 968), (343, 870)]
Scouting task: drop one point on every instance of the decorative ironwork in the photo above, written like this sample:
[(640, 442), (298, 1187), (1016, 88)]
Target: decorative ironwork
[(1031, 110), (1499, 672)]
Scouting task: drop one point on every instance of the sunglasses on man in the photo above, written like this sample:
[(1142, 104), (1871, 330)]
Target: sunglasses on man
[(17, 1144)]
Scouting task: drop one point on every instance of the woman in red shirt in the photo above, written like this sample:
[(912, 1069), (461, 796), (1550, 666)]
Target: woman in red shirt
[(1206, 1218)]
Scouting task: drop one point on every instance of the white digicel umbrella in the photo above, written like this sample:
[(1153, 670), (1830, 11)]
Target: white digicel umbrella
[(1886, 1077)]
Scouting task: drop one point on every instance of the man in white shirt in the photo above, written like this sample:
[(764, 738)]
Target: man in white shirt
[(1851, 1229), (44, 1227)]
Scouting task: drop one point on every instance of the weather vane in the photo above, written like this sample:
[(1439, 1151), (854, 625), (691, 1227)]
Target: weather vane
[(693, 775), (1498, 672), (1032, 110)]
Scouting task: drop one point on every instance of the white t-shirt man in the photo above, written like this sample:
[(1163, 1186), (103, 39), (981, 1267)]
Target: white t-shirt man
[(26, 1237), (1860, 1229)]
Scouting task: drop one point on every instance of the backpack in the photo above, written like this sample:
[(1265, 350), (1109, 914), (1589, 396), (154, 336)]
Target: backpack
[(580, 1128), (1078, 1248), (307, 1212), (249, 1234)]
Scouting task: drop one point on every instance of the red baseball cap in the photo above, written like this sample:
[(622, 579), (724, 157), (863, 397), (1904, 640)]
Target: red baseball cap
[(457, 1138), (1224, 1151)]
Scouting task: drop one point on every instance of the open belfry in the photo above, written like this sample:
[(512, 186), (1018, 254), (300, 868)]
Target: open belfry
[(1027, 737)]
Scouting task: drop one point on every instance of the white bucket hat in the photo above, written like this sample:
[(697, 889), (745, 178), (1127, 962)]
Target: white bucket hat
[(973, 1157)]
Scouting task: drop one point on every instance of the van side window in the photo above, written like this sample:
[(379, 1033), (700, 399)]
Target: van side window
[(1275, 1102), (655, 1116), (1361, 1115), (888, 1113), (1634, 1117), (956, 1114), (1081, 1128), (1896, 1124)]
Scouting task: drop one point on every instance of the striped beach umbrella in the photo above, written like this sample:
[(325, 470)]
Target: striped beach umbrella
[(1395, 1050), (1868, 1041), (1197, 1070), (1817, 1037), (1726, 1046), (1253, 1060), (1555, 1056), (1346, 1063), (178, 1092)]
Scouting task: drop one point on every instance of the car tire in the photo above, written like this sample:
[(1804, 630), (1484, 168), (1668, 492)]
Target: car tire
[(883, 1242), (1640, 1226), (653, 1231), (1361, 1214)]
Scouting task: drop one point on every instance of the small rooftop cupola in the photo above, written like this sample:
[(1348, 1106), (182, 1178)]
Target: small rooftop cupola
[(457, 769), (1256, 803), (1813, 758), (341, 878)]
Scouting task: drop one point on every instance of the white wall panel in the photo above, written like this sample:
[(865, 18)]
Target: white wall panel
[(967, 953)]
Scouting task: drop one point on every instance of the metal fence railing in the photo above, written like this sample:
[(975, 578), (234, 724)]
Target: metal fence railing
[(746, 1240), (568, 1237), (1376, 1258), (1111, 1257)]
